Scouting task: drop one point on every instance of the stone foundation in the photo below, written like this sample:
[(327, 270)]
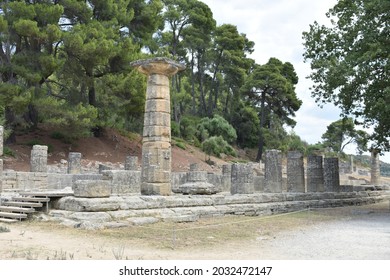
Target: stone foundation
[(197, 206)]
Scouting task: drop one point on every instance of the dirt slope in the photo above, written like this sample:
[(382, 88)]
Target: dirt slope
[(111, 147)]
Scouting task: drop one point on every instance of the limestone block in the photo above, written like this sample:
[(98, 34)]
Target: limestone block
[(273, 171), (158, 81), (178, 178), (200, 188), (91, 216), (226, 177), (258, 182), (123, 181), (158, 157), (81, 204), (295, 172), (80, 177), (157, 118), (242, 179), (216, 180), (155, 188), (197, 176), (140, 221), (158, 105), (315, 174), (131, 163), (160, 92), (38, 160), (331, 175), (157, 175), (156, 132), (91, 188), (74, 163)]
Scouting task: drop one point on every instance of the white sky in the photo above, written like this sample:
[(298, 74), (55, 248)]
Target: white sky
[(276, 27)]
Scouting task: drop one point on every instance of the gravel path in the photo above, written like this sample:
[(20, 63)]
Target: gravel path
[(363, 235)]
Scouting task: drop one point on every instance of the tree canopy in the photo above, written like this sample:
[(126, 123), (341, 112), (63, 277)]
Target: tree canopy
[(65, 64), (350, 63)]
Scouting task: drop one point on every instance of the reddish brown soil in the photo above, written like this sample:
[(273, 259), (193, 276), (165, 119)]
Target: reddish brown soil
[(111, 147)]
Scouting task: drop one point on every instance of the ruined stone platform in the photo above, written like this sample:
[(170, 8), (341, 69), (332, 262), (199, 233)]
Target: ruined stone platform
[(114, 211)]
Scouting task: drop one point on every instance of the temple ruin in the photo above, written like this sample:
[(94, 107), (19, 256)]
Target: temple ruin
[(111, 197)]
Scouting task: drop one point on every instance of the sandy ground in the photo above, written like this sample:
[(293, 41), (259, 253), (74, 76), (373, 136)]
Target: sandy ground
[(355, 233)]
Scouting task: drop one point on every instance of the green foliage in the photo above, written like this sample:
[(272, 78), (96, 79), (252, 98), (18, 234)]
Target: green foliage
[(246, 122), (74, 121), (9, 152), (350, 63), (271, 87), (217, 126), (179, 143), (216, 145), (341, 133)]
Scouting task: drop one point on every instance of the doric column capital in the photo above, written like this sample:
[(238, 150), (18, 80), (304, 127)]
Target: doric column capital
[(158, 65)]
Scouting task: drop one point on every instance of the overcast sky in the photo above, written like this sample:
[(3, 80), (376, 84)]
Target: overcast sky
[(276, 27)]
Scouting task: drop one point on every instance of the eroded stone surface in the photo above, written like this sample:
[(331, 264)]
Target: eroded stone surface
[(92, 189)]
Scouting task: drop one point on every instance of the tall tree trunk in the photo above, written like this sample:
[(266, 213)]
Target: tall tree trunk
[(201, 87), (262, 122), (10, 124), (193, 85)]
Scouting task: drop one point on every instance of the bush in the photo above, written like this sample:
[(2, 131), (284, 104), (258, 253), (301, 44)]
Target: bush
[(217, 126), (217, 145), (9, 152)]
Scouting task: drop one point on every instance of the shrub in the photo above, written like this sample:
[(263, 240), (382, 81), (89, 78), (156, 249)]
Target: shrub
[(217, 145), (217, 126)]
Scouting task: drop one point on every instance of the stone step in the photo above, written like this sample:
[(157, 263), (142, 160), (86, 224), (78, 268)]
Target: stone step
[(5, 220), (16, 209), (55, 193), (13, 215), (22, 204), (31, 199)]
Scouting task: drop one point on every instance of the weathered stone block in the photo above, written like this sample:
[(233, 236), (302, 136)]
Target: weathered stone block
[(38, 160), (315, 174), (331, 175), (197, 176), (156, 188), (91, 189), (158, 105), (131, 163), (201, 188), (74, 163), (123, 181), (242, 179), (273, 171), (155, 132), (295, 172)]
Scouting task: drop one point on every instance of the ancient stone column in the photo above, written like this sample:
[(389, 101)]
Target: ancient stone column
[(331, 175), (131, 163), (295, 172), (273, 171), (197, 183), (315, 174), (156, 143), (38, 160), (242, 179), (74, 163), (375, 167), (226, 177)]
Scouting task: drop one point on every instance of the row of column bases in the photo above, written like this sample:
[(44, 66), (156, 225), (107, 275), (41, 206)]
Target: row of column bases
[(322, 174)]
